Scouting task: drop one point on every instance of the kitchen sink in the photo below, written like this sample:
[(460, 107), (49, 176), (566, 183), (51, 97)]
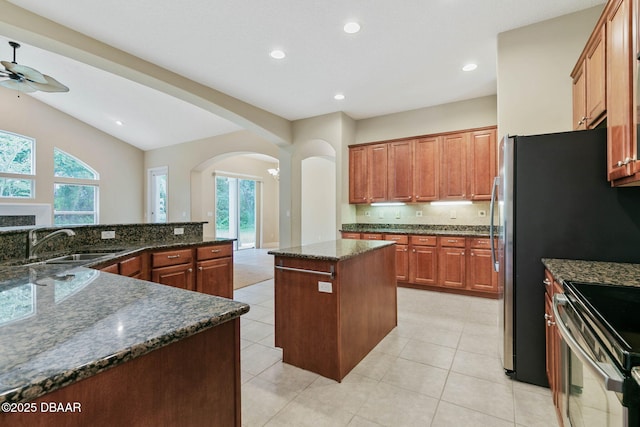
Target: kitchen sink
[(79, 258)]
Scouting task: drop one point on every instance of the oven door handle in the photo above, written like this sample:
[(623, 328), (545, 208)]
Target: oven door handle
[(612, 381)]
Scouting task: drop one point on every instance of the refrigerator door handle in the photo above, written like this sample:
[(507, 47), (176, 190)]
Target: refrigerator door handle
[(494, 260)]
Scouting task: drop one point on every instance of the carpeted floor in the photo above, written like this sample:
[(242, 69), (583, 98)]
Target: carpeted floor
[(251, 266)]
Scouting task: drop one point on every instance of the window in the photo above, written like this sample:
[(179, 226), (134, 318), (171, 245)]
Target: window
[(75, 192), (17, 170)]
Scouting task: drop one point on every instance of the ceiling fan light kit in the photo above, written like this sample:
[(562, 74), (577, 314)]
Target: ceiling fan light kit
[(27, 79)]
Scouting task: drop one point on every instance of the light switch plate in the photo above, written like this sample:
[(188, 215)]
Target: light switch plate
[(108, 234), (326, 287)]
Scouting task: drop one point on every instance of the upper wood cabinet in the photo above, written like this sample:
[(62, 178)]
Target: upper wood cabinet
[(621, 153), (400, 173), (589, 83), (482, 164), (368, 173), (426, 167), (453, 166)]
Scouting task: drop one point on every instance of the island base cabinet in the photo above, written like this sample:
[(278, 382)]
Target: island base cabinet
[(192, 382), (328, 325)]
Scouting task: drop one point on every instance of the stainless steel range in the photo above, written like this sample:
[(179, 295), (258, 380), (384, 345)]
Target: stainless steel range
[(600, 327)]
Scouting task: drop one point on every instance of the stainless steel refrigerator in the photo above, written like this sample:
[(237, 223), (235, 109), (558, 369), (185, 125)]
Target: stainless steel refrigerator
[(552, 200)]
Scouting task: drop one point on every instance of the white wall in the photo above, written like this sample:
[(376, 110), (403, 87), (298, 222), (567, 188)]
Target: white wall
[(534, 66), (120, 165), (318, 200)]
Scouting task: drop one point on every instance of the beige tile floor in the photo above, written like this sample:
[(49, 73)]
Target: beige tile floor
[(439, 367)]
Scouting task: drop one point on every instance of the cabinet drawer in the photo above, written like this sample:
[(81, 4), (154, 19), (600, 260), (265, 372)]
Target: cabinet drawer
[(452, 242), (548, 283), (163, 259), (346, 235), (480, 243), (371, 236), (423, 240), (211, 252), (400, 239)]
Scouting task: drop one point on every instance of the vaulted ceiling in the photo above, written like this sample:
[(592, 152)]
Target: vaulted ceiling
[(408, 54)]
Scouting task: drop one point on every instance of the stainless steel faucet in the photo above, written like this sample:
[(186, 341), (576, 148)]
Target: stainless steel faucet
[(33, 243)]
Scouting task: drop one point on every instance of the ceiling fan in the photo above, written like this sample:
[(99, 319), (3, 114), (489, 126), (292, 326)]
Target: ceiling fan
[(27, 79)]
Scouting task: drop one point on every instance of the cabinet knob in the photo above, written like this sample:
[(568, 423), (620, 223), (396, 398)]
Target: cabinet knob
[(550, 323), (200, 268), (547, 282), (190, 270)]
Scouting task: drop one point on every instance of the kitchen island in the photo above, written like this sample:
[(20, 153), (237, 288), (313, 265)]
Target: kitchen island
[(83, 347), (334, 302)]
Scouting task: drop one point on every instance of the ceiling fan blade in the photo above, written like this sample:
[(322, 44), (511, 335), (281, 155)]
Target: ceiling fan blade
[(28, 72), (17, 85), (52, 85)]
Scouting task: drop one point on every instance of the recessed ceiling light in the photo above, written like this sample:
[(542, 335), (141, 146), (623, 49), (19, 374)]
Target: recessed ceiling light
[(119, 122), (469, 67), (338, 96), (351, 27), (277, 54)]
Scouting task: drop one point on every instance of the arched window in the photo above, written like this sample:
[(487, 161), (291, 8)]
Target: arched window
[(17, 165), (75, 190)]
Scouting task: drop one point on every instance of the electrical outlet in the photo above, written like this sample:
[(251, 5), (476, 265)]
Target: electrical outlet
[(452, 214), (178, 230), (326, 287), (418, 213), (367, 213), (108, 234), (482, 213), (398, 214), (381, 214)]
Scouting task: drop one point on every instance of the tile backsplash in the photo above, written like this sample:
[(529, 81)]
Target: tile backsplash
[(474, 214)]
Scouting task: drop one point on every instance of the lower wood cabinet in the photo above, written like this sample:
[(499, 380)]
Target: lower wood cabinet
[(553, 344), (445, 263), (206, 269)]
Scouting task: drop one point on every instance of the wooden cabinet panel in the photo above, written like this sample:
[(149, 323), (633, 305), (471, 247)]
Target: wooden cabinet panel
[(423, 260), (482, 164), (400, 171), (580, 99), (350, 235), (215, 277), (402, 255), (595, 68), (621, 147), (426, 166), (113, 268), (377, 164), (453, 242), (178, 276), (453, 167), (358, 175), (424, 240), (214, 251), (371, 236), (481, 276), (132, 267), (172, 257), (451, 267)]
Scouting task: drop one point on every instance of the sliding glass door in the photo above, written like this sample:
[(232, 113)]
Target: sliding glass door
[(236, 210)]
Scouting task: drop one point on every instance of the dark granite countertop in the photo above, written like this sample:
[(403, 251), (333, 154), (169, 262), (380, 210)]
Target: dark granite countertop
[(614, 273), (333, 250), (60, 324), (419, 229)]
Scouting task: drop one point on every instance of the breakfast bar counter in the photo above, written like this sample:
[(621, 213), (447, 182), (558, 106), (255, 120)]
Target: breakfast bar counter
[(334, 302), (121, 351)]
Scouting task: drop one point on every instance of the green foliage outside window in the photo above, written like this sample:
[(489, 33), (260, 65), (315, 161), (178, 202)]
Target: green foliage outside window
[(73, 203), (16, 157)]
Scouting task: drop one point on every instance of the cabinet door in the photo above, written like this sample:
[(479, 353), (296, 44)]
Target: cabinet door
[(377, 170), (595, 68), (482, 163), (131, 267), (400, 172), (357, 175), (451, 266), (113, 268), (580, 99), (621, 149), (423, 265), (549, 340), (481, 276), (453, 167), (426, 166), (178, 276), (215, 277), (402, 263)]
